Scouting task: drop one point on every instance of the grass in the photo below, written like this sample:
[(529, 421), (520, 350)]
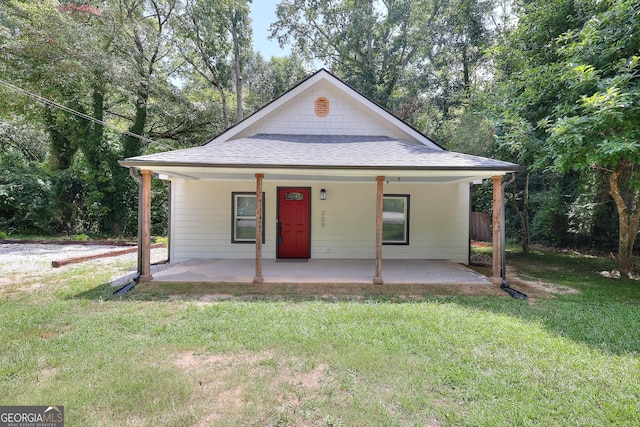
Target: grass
[(277, 360)]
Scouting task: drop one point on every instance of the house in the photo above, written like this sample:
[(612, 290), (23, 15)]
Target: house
[(321, 172)]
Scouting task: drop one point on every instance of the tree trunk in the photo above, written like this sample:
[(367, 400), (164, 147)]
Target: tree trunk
[(132, 146), (628, 217), (223, 99), (236, 60), (523, 214)]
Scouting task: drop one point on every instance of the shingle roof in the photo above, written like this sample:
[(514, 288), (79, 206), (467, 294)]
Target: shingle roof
[(320, 151)]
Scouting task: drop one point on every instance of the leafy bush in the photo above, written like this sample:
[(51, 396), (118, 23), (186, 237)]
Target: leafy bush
[(550, 223), (26, 200)]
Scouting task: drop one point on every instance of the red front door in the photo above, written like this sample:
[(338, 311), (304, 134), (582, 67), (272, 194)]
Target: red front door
[(294, 225)]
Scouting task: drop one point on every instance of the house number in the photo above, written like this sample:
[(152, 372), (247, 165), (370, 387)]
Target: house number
[(322, 219)]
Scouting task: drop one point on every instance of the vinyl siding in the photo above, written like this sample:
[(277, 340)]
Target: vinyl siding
[(439, 220), (346, 117)]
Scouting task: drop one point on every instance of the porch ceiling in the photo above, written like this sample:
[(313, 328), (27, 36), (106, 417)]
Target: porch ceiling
[(324, 175)]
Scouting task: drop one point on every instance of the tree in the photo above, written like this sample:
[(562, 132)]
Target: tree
[(595, 126), (267, 80), (208, 31), (371, 44), (525, 90)]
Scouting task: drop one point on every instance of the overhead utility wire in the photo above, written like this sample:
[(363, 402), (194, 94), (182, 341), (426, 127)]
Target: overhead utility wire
[(72, 111)]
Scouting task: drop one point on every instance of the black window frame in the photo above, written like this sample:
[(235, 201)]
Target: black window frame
[(234, 195), (407, 202)]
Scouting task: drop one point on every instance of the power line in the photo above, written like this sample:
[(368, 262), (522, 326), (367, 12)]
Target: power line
[(49, 102)]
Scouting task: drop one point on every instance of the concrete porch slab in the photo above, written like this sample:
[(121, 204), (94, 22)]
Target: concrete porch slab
[(353, 271)]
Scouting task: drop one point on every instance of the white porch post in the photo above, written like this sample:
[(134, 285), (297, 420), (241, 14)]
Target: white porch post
[(498, 205), (258, 277), (377, 278), (145, 223)]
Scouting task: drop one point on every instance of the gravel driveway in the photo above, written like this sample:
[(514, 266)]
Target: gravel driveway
[(34, 259)]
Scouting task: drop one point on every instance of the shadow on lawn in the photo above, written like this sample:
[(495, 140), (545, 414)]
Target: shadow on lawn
[(608, 326), (604, 324)]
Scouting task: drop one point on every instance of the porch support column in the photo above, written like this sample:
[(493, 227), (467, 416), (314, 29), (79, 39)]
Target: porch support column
[(145, 223), (498, 205), (377, 279), (258, 277)]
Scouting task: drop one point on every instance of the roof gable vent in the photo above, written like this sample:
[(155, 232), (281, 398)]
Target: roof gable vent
[(322, 107)]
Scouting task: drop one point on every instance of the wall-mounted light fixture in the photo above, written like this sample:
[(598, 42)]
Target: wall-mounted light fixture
[(323, 194)]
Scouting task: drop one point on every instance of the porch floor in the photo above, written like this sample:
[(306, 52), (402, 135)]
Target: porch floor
[(355, 271)]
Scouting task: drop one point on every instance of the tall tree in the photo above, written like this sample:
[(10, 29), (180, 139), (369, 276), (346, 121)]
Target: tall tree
[(141, 31), (214, 37), (524, 91), (595, 125)]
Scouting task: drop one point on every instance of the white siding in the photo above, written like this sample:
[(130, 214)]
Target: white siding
[(439, 220), (346, 117)]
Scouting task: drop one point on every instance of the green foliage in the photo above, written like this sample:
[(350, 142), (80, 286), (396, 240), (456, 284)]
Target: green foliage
[(108, 62), (159, 208), (595, 122), (564, 104), (266, 80), (20, 134), (25, 202), (473, 134), (550, 224)]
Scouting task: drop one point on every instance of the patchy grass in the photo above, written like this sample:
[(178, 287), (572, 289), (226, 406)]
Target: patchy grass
[(166, 356), (209, 292)]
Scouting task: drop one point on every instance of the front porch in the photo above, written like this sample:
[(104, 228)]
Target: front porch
[(325, 271)]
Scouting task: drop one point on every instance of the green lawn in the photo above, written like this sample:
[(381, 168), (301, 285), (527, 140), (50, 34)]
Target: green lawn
[(147, 360)]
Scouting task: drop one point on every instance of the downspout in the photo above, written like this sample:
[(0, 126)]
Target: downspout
[(503, 269), (127, 287), (138, 178)]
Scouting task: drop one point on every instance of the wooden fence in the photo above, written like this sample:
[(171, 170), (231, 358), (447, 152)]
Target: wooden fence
[(481, 226)]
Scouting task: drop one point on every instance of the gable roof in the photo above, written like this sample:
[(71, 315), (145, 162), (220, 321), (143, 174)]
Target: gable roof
[(324, 76)]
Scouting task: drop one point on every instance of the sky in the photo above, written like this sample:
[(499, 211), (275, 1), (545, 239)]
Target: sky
[(263, 14)]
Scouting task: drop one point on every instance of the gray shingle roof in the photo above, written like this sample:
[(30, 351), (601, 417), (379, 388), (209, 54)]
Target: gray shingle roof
[(320, 151)]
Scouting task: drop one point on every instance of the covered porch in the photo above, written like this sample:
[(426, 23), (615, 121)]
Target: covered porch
[(261, 269), (325, 271)]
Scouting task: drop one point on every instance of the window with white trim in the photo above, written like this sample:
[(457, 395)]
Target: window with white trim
[(243, 217), (395, 219)]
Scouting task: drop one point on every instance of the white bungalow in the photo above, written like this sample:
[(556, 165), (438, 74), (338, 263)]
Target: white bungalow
[(322, 173)]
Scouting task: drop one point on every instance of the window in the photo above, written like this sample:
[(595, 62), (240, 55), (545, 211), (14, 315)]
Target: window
[(395, 219), (243, 217)]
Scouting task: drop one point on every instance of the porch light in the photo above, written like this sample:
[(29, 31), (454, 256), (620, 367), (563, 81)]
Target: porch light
[(323, 194)]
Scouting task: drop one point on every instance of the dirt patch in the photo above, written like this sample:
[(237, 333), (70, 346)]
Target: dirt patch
[(263, 386), (533, 289), (191, 361), (551, 288), (538, 289)]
